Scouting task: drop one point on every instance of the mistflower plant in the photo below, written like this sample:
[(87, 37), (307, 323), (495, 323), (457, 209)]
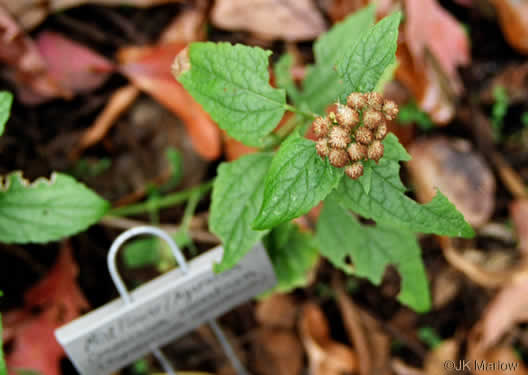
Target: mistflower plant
[(359, 127), (352, 166)]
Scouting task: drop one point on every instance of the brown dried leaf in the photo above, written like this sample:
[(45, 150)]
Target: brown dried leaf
[(458, 172), (508, 307), (188, 26), (149, 68), (278, 310), (291, 20), (519, 215), (434, 362), (30, 13), (278, 351), (325, 356)]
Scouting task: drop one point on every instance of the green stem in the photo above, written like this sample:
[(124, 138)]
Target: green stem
[(163, 202), (299, 111)]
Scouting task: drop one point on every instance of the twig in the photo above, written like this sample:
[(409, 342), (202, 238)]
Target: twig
[(165, 201), (196, 234)]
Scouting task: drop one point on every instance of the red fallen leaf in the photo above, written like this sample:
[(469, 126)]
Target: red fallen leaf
[(435, 45), (85, 72), (149, 68), (59, 301), (429, 27), (25, 65)]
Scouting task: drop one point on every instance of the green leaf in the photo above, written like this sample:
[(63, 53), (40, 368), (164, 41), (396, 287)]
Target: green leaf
[(322, 85), (297, 180), (6, 99), (293, 254), (152, 251), (386, 201), (237, 196), (46, 210), (371, 249), (283, 77), (232, 84), (362, 66)]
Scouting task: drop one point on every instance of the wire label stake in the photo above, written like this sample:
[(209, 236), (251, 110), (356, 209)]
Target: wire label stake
[(158, 312)]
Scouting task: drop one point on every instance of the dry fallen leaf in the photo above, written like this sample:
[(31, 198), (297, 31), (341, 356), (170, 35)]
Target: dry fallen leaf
[(519, 215), (25, 66), (58, 300), (278, 351), (513, 19), (325, 356), (291, 20), (149, 68), (30, 13), (508, 307), (277, 310), (435, 359), (462, 175), (425, 83)]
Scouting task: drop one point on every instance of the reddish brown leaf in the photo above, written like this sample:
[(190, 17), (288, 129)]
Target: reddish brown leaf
[(59, 301), (149, 68), (25, 65), (85, 72), (270, 19), (429, 27), (435, 45), (513, 17)]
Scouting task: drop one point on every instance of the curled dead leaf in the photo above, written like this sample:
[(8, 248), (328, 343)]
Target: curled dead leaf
[(451, 166), (30, 13), (513, 19), (508, 307), (325, 356), (290, 20)]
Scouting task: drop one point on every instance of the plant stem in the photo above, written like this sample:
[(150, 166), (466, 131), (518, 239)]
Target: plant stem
[(299, 111), (163, 202)]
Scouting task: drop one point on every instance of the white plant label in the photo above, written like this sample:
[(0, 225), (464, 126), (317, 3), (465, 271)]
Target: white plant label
[(162, 310)]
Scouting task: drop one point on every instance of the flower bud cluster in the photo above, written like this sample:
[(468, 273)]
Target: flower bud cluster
[(354, 133)]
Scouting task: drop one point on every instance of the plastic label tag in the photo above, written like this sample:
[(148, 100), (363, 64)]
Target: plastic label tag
[(162, 310)]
